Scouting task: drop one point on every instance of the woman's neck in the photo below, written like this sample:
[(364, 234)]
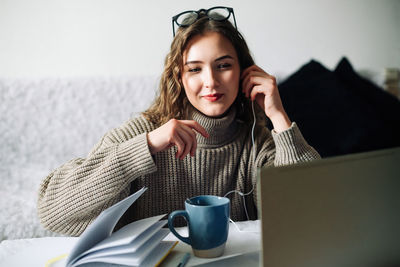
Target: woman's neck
[(220, 129)]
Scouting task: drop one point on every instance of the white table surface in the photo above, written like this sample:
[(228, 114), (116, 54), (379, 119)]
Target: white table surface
[(37, 251)]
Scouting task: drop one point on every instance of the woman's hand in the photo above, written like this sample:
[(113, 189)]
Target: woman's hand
[(181, 133), (262, 87)]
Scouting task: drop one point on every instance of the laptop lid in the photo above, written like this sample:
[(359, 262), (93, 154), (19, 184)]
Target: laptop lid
[(339, 211)]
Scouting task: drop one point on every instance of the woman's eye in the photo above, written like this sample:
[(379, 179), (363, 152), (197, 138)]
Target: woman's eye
[(224, 65), (194, 69)]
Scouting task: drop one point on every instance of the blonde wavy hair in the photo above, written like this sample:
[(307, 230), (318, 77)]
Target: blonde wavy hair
[(171, 101)]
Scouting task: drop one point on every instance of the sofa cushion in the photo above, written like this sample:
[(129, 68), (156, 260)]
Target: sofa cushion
[(335, 112), (384, 105)]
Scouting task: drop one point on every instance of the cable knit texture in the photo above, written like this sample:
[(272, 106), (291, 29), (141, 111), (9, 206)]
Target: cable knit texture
[(72, 196)]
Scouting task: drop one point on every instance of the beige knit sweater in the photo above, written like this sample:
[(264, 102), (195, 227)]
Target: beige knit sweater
[(73, 195)]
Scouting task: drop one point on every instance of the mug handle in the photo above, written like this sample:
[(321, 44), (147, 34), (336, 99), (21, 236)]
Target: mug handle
[(171, 218)]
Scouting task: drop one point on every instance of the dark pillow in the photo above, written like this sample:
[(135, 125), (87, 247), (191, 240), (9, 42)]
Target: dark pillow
[(385, 105), (335, 118)]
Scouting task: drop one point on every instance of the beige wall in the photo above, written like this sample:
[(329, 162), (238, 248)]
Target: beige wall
[(124, 37)]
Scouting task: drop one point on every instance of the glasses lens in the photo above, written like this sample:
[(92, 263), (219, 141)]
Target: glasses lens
[(186, 19), (218, 13)]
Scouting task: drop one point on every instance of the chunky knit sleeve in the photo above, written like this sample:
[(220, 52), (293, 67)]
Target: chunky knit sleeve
[(284, 148), (291, 147), (73, 195)]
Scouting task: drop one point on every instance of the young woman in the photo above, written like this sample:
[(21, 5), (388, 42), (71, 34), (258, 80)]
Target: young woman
[(197, 137)]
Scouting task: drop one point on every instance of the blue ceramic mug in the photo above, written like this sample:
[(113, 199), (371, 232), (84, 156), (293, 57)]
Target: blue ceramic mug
[(208, 224)]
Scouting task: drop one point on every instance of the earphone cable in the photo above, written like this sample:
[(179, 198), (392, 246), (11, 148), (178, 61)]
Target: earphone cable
[(254, 155)]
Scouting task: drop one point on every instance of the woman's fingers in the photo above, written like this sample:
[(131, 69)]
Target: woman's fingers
[(250, 69), (176, 133), (255, 76), (262, 87), (194, 144), (253, 81), (196, 126), (191, 127), (180, 145), (189, 138)]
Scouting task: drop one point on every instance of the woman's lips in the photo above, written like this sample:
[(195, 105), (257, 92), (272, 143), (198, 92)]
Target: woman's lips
[(213, 97)]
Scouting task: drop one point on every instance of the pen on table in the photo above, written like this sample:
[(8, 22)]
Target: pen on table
[(184, 260)]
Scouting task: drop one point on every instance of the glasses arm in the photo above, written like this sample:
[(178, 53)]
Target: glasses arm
[(173, 27), (234, 19)]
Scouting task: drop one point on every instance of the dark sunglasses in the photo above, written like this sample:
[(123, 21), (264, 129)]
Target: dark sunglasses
[(187, 18)]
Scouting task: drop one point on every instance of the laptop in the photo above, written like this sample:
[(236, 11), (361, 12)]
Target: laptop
[(340, 211)]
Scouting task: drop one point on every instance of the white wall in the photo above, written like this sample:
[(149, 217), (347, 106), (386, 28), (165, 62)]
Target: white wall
[(42, 38)]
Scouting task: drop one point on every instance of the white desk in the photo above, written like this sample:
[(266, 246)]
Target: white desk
[(36, 252)]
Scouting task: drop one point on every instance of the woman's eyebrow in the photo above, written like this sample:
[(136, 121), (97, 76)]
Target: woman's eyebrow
[(199, 61), (193, 62), (224, 57)]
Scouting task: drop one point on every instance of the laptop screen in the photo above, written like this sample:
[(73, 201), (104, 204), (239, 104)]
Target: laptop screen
[(339, 211)]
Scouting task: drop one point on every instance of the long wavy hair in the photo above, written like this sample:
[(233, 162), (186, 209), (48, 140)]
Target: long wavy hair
[(172, 101)]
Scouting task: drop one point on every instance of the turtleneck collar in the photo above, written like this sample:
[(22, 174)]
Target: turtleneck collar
[(221, 130)]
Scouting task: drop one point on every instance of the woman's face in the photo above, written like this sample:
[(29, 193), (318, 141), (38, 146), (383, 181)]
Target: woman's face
[(210, 73)]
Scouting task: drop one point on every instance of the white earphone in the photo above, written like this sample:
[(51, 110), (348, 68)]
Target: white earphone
[(254, 154)]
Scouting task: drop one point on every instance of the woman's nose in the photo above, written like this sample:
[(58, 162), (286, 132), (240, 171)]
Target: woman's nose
[(210, 79)]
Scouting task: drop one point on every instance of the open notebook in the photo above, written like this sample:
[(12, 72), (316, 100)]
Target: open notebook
[(136, 244)]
